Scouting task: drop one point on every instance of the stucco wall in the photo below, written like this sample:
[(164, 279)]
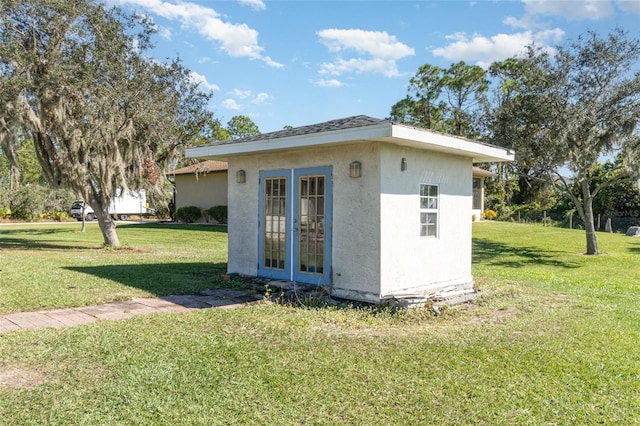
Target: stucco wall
[(408, 260), (203, 191), (377, 249), (356, 238)]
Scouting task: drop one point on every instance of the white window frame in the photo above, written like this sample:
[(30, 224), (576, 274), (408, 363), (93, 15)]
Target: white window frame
[(429, 208)]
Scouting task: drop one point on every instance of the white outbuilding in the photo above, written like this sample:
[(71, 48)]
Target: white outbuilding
[(372, 210)]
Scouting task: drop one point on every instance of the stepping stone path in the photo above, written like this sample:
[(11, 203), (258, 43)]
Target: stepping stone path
[(220, 298)]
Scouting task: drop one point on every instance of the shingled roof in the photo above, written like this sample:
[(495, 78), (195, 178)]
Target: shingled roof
[(327, 126), (203, 167), (355, 129)]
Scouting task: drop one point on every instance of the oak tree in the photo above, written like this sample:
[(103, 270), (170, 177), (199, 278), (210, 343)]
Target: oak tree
[(103, 115), (568, 110)]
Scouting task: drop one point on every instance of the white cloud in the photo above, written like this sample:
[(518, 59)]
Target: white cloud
[(241, 94), (632, 6), (165, 33), (329, 83), (575, 9), (231, 104), (202, 81), (376, 51), (484, 50), (525, 23), (267, 60), (237, 40), (254, 4), (261, 98)]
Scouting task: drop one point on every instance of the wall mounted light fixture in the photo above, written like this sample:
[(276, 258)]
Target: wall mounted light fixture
[(355, 169), (403, 164), (241, 176)]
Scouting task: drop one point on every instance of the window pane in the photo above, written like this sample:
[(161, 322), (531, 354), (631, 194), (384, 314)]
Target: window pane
[(274, 223), (429, 218)]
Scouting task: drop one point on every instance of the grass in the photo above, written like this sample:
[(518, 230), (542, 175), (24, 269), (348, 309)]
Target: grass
[(552, 340), (58, 266)]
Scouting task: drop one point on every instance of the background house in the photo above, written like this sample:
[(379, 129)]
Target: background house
[(371, 209), (202, 185), (477, 206)]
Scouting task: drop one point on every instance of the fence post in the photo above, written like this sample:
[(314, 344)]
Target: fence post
[(571, 221)]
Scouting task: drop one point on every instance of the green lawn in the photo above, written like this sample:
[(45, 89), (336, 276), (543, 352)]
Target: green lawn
[(552, 340), (56, 266)]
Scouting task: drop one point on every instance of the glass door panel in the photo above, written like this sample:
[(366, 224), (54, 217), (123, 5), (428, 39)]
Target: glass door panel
[(311, 220), (312, 245), (274, 245), (275, 226), (295, 225)]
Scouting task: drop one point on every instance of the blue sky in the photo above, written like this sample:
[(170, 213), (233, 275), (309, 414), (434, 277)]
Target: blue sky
[(303, 62)]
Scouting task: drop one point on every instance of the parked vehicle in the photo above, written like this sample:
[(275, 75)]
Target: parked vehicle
[(78, 208), (121, 207)]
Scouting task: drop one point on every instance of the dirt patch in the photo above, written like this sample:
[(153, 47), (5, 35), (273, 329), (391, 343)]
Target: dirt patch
[(495, 317), (20, 378)]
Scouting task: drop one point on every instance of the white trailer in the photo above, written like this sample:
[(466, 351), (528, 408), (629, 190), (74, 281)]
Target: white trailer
[(125, 204), (128, 203)]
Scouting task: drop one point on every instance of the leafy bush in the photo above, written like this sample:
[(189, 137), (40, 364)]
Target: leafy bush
[(188, 214), (27, 203), (56, 216), (489, 215), (531, 212), (4, 212), (218, 213), (58, 201)]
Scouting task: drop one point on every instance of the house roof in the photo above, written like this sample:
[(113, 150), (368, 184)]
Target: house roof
[(202, 167), (356, 129)]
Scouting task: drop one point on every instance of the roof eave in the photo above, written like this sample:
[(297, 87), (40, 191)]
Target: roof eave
[(440, 142), (385, 131)]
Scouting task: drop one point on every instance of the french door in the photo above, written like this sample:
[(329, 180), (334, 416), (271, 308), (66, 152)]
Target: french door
[(295, 225)]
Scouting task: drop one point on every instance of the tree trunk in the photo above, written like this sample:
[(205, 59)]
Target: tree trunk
[(589, 226), (108, 227)]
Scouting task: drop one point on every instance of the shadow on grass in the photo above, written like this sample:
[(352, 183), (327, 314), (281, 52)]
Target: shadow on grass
[(634, 248), (493, 253), (162, 279), (23, 244), (21, 239), (168, 226)]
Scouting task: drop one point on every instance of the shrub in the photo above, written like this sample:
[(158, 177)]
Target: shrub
[(218, 213), (56, 216), (58, 200), (489, 215), (27, 202), (5, 212), (188, 214)]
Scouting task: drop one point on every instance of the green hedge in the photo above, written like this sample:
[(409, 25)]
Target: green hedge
[(188, 214), (218, 213)]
